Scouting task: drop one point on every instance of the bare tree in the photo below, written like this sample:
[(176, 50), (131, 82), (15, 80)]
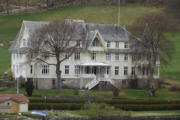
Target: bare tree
[(58, 40), (149, 49)]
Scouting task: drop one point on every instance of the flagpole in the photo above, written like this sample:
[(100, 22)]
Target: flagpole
[(119, 2)]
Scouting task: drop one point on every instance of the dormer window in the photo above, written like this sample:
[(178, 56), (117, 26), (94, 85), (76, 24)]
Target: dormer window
[(108, 44)]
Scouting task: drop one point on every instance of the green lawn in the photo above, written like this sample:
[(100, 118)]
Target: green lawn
[(91, 14), (161, 94), (5, 59)]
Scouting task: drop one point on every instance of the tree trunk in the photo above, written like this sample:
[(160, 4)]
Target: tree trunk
[(7, 7), (47, 3), (59, 81)]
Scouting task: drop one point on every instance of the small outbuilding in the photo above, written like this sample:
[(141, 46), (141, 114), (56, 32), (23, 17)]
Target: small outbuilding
[(13, 103)]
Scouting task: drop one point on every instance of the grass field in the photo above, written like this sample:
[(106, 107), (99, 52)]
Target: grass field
[(4, 59), (91, 14)]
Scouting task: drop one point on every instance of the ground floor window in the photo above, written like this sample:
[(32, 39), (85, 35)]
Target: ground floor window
[(125, 70), (66, 69), (108, 70)]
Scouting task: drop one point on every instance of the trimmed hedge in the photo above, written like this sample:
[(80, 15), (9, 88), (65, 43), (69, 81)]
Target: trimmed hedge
[(55, 106), (111, 102), (53, 100), (134, 107)]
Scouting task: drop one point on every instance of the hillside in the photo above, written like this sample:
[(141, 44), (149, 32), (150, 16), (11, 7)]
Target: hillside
[(9, 26)]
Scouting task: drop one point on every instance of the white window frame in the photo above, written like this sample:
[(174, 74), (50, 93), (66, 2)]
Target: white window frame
[(125, 57), (66, 69), (77, 56), (93, 56), (117, 56), (108, 44), (108, 56), (77, 69), (126, 45), (45, 69), (116, 70), (126, 70), (117, 44)]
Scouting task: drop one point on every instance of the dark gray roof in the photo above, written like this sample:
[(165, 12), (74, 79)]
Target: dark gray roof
[(109, 32)]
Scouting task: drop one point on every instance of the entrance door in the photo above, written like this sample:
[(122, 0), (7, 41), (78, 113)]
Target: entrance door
[(94, 70)]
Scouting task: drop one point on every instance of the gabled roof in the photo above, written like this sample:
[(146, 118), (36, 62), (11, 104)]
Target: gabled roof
[(17, 97), (108, 32)]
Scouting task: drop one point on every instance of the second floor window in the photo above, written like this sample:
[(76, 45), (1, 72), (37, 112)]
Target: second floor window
[(108, 44), (117, 44), (77, 69), (93, 56), (125, 70), (45, 69), (116, 70), (126, 45), (77, 56), (126, 57), (66, 69), (116, 56), (108, 56)]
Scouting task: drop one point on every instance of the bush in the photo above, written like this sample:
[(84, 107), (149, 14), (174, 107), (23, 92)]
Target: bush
[(76, 92), (175, 88), (29, 87), (135, 107), (55, 106), (115, 92), (21, 82), (51, 100)]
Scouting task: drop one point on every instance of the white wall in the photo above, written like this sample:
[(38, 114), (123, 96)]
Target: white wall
[(23, 107)]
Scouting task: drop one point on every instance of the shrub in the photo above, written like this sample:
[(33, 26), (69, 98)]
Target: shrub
[(135, 107), (175, 87), (29, 87), (115, 92), (51, 100), (76, 92), (21, 82), (55, 106)]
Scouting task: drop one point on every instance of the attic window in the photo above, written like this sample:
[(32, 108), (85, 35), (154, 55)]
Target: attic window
[(95, 42), (8, 103)]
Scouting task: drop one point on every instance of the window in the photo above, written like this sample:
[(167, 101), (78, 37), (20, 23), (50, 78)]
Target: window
[(108, 44), (24, 42), (133, 58), (126, 57), (143, 71), (108, 56), (125, 70), (78, 44), (133, 71), (31, 69), (66, 69), (93, 56), (108, 70), (67, 55), (117, 44), (95, 42), (45, 69), (77, 56), (116, 70), (77, 69), (126, 45), (116, 56)]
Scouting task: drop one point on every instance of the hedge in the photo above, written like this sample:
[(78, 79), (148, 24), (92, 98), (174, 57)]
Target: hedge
[(134, 107), (55, 106), (111, 102), (53, 100)]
